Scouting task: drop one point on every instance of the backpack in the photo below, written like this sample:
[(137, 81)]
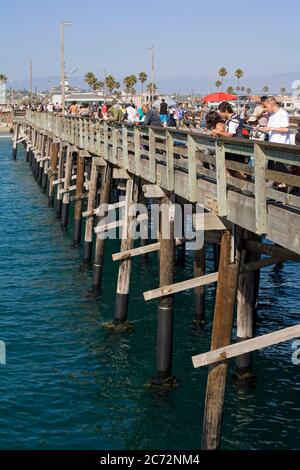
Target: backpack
[(241, 132)]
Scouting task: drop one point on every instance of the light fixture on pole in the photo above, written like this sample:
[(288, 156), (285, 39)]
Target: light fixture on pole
[(30, 83), (62, 46), (152, 74)]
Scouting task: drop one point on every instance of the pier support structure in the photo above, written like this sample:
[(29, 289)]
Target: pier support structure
[(221, 335), (100, 241), (88, 238), (123, 283)]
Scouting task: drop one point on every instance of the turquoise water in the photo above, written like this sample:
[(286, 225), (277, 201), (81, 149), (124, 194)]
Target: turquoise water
[(69, 384)]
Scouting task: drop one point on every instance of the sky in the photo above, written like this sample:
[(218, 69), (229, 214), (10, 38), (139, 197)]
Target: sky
[(192, 39)]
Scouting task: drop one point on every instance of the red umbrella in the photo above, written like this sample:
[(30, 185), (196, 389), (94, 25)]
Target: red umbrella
[(215, 97)]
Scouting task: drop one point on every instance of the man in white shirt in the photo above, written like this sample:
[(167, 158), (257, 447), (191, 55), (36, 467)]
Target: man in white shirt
[(278, 126)]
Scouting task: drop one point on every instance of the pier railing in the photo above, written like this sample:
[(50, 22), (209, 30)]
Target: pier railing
[(197, 167)]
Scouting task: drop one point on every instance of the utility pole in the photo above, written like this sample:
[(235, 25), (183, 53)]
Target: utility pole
[(152, 73), (62, 63), (105, 75), (30, 83)]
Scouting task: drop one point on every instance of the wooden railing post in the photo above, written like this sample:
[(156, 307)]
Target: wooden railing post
[(261, 223), (170, 160), (137, 151), (221, 179), (105, 140), (192, 169), (115, 135), (152, 156), (125, 147)]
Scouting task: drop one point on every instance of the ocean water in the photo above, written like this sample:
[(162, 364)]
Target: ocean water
[(69, 384)]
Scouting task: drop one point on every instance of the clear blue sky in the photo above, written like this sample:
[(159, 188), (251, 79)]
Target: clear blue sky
[(192, 38)]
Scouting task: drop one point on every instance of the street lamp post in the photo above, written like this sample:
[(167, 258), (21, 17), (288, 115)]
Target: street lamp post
[(152, 74), (62, 45), (30, 82)]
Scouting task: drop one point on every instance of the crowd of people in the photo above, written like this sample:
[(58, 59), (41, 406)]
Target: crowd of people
[(269, 122), (132, 114)]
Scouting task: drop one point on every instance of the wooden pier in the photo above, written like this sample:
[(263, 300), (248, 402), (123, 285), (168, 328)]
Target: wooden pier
[(77, 160)]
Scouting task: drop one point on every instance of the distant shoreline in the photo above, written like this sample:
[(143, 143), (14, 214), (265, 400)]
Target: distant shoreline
[(5, 130)]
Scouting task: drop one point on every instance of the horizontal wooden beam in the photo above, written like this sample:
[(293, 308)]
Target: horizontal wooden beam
[(256, 265), (249, 345), (272, 250), (117, 223), (110, 207), (181, 286), (141, 250)]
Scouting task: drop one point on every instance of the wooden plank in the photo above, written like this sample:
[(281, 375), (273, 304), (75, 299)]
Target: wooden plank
[(110, 207), (181, 286), (221, 179), (260, 191), (246, 346), (117, 223), (256, 265), (271, 250), (141, 250)]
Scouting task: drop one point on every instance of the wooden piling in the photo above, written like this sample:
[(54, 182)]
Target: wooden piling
[(54, 149), (165, 308), (66, 196), (78, 200), (221, 335), (41, 160), (27, 152), (123, 284), (15, 142), (60, 177), (88, 238), (199, 293), (100, 241), (247, 297)]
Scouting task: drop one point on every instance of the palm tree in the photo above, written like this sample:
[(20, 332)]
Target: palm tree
[(239, 73), (90, 79), (249, 91), (149, 87), (3, 78), (230, 90), (222, 73), (111, 83), (242, 89), (97, 85), (142, 78), (282, 90), (132, 82), (129, 83), (218, 83), (265, 89)]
